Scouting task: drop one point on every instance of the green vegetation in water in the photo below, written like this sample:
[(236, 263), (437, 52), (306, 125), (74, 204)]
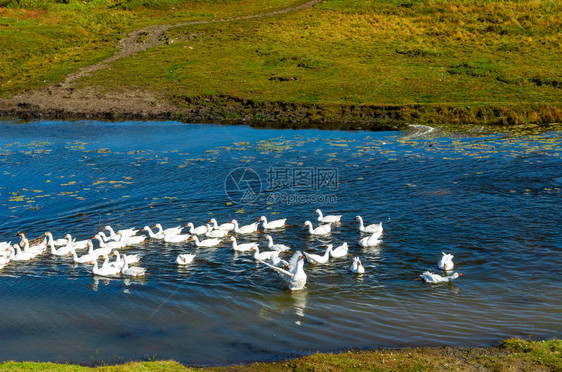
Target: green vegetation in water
[(512, 354)]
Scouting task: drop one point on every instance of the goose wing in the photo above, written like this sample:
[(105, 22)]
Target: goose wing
[(284, 273)]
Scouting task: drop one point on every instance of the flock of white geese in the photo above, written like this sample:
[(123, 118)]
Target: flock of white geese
[(117, 264)]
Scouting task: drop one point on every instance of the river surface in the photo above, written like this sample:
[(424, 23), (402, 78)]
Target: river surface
[(493, 201)]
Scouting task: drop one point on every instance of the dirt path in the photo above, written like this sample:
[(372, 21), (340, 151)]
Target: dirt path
[(63, 100)]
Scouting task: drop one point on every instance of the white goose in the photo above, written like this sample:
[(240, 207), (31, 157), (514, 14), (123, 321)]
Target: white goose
[(184, 258), (242, 247), (87, 258), (225, 226), (318, 259), (246, 229), (207, 242), (119, 261), (340, 251), (18, 255), (327, 219), (263, 256), (126, 232), (374, 228), (114, 265), (446, 262), (106, 238), (134, 271), (105, 270), (356, 266), (435, 278), (109, 245), (171, 231), (276, 247), (179, 238), (219, 233), (277, 224), (131, 258), (130, 240), (295, 275), (152, 234), (81, 244), (57, 242), (199, 230), (370, 240), (62, 251), (320, 230)]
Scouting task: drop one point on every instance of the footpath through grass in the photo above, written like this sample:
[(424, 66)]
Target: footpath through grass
[(512, 355)]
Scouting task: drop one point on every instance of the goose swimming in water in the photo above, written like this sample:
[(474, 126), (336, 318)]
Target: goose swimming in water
[(319, 259), (109, 245), (327, 219), (184, 258), (105, 270), (152, 234), (435, 278), (357, 266), (225, 226), (134, 271), (131, 258), (320, 230), (218, 233), (246, 229), (207, 242), (199, 230), (16, 254), (263, 256), (81, 244), (126, 232), (276, 247), (338, 252), (446, 262), (374, 228), (171, 231), (179, 238), (242, 247), (57, 242), (277, 224), (371, 240)]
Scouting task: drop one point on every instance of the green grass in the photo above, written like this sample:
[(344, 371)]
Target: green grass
[(510, 355), (41, 41), (366, 53), (496, 55)]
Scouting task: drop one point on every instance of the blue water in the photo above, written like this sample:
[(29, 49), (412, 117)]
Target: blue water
[(493, 201)]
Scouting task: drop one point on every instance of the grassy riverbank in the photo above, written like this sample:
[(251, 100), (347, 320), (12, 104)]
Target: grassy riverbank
[(417, 61), (510, 355)]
